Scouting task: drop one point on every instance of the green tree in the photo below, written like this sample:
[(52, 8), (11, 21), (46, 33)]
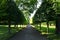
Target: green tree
[(10, 12), (57, 2), (48, 12)]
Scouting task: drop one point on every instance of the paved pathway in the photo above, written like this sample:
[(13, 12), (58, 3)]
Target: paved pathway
[(28, 33)]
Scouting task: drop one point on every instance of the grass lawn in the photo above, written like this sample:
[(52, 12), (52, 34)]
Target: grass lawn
[(51, 35), (4, 35)]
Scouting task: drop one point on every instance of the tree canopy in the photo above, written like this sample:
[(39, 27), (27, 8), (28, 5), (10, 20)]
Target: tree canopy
[(9, 10), (45, 12)]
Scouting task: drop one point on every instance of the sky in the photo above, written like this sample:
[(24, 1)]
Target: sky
[(38, 5)]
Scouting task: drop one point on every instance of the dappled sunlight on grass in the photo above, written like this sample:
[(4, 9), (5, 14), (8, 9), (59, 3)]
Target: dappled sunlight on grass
[(4, 31), (51, 34), (43, 28)]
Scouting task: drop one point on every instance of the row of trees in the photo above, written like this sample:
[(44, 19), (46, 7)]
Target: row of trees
[(48, 12), (10, 13), (16, 11)]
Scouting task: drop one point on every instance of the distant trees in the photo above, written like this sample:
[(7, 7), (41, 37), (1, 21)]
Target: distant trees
[(27, 7)]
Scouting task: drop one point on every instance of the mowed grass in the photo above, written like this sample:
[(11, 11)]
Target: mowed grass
[(3, 31), (51, 34), (51, 28), (4, 35), (44, 28)]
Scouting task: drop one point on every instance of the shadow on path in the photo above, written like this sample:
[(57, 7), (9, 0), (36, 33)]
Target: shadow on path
[(28, 33)]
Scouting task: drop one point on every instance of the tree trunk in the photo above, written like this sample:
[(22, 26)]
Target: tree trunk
[(58, 25), (9, 26), (9, 22), (40, 25), (47, 26)]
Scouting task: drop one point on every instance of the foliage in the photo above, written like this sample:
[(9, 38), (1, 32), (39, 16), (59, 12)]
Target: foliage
[(45, 12), (9, 10)]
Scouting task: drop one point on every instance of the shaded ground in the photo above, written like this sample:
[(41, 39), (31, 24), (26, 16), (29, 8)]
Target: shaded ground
[(28, 33)]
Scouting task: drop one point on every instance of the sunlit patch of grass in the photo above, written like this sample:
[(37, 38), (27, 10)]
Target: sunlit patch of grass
[(51, 35), (44, 30), (4, 31)]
